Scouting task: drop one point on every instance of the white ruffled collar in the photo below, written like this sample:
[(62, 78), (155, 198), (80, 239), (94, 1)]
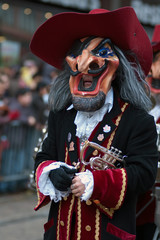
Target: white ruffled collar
[(87, 121)]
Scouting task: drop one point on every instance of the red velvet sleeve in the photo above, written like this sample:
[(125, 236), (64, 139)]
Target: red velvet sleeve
[(109, 189), (42, 199)]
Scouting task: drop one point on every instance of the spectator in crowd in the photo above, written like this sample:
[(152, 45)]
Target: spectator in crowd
[(4, 87), (50, 73), (27, 71), (4, 109), (17, 132), (40, 104), (14, 140), (22, 103), (36, 79), (13, 74), (19, 121)]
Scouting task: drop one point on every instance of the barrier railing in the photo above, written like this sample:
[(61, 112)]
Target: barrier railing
[(17, 142)]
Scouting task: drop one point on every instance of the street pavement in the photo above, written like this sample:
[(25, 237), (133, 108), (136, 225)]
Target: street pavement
[(18, 220)]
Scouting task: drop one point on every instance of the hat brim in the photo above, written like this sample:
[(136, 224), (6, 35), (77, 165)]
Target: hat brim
[(54, 38)]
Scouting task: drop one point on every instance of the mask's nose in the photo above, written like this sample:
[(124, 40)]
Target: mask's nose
[(86, 61)]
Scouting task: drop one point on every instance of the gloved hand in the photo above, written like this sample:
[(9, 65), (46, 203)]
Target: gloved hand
[(62, 177)]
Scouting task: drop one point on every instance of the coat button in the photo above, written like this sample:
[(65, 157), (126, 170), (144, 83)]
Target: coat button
[(62, 223), (65, 198), (95, 153), (88, 202), (88, 228)]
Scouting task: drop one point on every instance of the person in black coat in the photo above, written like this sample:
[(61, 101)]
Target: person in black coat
[(98, 113)]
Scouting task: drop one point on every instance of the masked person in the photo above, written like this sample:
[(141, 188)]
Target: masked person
[(154, 75), (147, 225), (98, 100)]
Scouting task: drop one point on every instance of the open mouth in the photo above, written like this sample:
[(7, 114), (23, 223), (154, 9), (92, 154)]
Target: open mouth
[(88, 82)]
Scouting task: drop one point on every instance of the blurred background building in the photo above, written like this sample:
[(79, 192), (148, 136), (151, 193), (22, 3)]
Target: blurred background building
[(19, 19)]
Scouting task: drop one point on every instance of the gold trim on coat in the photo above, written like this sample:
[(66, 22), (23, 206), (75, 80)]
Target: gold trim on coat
[(69, 215), (97, 224), (66, 155), (110, 211), (79, 219), (58, 222)]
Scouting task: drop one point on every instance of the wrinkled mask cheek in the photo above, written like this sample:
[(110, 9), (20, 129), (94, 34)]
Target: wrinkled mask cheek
[(72, 83), (109, 75)]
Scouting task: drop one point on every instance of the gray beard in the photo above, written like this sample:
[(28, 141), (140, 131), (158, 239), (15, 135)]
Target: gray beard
[(89, 104)]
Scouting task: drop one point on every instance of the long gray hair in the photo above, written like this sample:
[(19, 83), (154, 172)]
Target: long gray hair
[(129, 82)]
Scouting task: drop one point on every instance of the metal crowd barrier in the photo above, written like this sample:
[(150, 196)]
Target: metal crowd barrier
[(17, 142)]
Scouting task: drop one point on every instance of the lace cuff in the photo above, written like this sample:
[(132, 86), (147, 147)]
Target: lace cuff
[(87, 180), (45, 185)]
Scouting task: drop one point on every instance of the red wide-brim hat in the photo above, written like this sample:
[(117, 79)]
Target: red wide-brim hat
[(54, 38), (156, 38)]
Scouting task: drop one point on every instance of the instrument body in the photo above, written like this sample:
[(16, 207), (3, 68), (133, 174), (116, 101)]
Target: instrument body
[(111, 157)]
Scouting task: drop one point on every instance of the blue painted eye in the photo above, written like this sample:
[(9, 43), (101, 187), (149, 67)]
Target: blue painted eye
[(105, 52), (72, 55)]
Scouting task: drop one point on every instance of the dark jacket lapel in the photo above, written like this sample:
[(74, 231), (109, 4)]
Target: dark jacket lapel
[(70, 135)]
